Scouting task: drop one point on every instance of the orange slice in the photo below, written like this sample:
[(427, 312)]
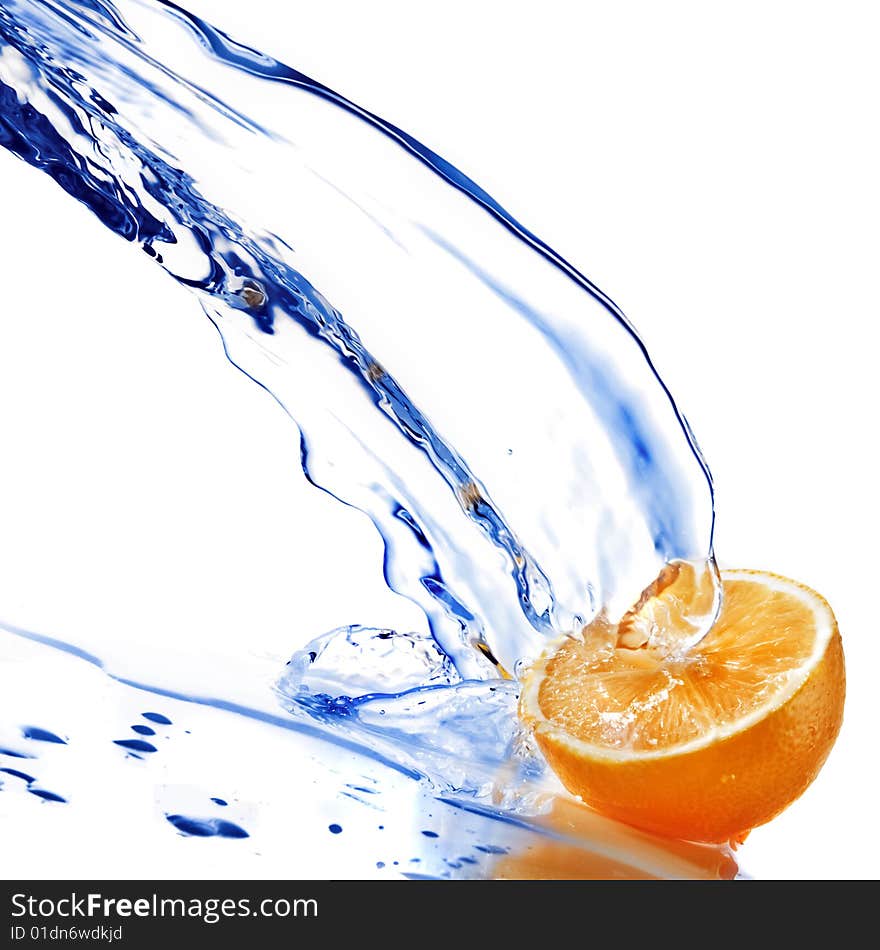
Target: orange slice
[(703, 745)]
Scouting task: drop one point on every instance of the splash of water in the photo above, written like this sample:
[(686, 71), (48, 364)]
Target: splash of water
[(489, 409)]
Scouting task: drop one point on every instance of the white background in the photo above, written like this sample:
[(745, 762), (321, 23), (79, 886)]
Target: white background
[(712, 167)]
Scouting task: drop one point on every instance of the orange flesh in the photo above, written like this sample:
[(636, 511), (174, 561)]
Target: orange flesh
[(638, 700)]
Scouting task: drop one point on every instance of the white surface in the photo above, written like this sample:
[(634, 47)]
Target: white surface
[(713, 170)]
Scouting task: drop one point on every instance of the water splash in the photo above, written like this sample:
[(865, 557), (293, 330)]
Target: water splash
[(489, 409)]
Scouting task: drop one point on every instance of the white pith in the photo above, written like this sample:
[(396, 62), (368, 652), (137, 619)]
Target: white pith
[(824, 625)]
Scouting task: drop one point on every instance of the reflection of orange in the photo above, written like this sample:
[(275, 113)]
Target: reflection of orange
[(704, 745), (590, 847), (555, 861)]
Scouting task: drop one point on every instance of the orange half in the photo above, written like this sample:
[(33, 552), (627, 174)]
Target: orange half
[(704, 745)]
